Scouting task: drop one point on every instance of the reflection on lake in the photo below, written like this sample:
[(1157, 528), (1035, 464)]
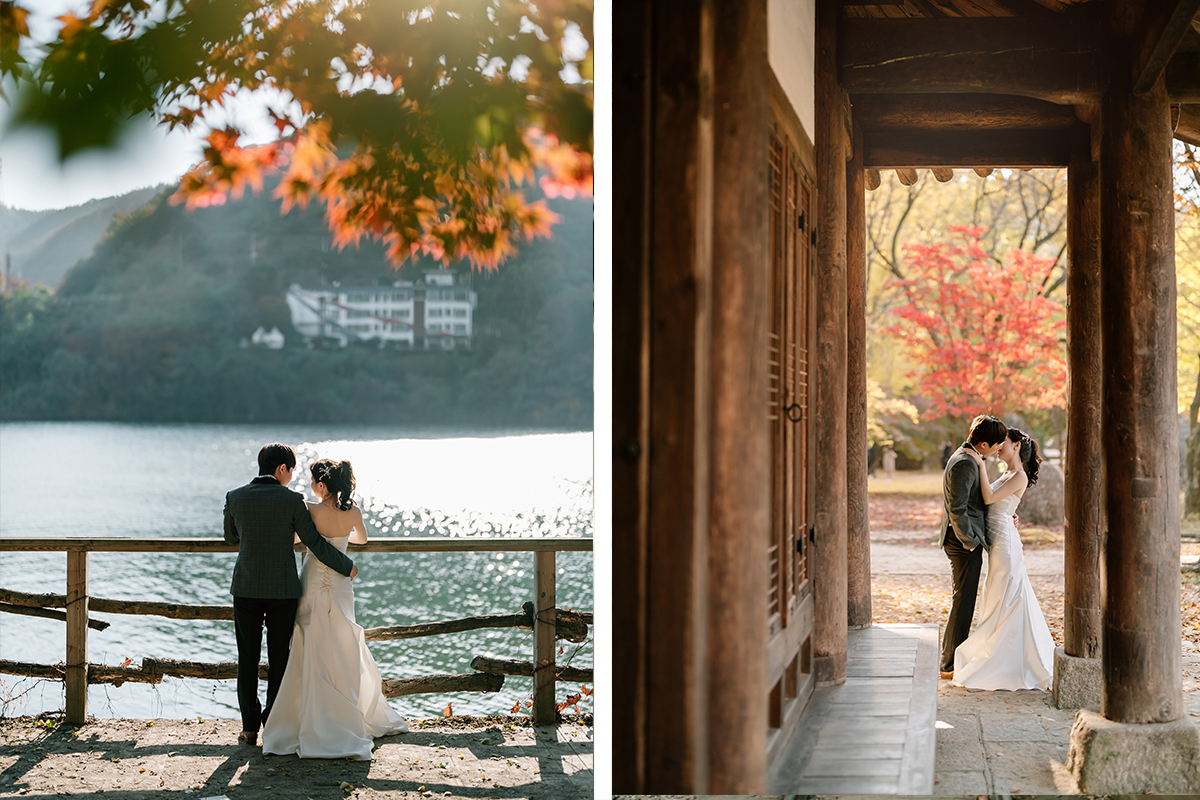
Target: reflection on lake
[(103, 479)]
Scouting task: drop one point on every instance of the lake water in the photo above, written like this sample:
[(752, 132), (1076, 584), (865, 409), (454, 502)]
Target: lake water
[(105, 479)]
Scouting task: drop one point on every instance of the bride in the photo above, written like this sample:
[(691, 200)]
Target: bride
[(330, 703), (1011, 648)]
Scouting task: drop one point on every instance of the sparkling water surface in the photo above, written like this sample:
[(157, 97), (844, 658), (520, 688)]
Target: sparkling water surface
[(106, 479)]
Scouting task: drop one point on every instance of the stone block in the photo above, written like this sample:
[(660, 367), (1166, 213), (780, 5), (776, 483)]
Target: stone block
[(1042, 503), (1109, 757), (1076, 680)]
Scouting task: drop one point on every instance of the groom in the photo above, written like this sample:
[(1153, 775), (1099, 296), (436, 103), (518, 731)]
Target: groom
[(261, 518), (964, 529)]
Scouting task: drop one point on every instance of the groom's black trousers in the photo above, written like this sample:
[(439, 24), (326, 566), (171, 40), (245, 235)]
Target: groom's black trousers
[(965, 566), (249, 615)]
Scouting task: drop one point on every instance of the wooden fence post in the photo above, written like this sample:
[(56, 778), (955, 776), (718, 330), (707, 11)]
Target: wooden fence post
[(544, 711), (77, 631)]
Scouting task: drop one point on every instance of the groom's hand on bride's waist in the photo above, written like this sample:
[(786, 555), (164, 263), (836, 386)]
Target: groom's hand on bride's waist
[(353, 571)]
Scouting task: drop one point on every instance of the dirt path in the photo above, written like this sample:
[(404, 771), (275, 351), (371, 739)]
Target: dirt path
[(461, 757)]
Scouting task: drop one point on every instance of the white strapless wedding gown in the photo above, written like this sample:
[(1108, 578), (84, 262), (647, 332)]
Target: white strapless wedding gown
[(330, 704), (1011, 647)]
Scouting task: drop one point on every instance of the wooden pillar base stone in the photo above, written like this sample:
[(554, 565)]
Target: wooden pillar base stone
[(1109, 757), (1076, 680)]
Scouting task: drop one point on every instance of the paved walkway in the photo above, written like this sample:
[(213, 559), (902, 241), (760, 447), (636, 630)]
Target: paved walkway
[(874, 734)]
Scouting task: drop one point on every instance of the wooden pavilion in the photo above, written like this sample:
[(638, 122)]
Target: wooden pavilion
[(746, 134)]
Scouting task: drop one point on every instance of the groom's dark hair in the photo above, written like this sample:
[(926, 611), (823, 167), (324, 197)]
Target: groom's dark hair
[(272, 455), (986, 429)]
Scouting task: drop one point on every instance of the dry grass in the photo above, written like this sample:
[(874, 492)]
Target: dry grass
[(921, 483)]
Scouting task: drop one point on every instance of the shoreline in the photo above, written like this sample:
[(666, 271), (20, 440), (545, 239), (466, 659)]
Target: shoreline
[(495, 756)]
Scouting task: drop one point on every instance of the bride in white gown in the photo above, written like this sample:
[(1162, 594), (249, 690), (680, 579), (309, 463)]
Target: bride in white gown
[(1011, 647), (330, 703)]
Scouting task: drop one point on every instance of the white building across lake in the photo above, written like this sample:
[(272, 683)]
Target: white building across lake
[(432, 312)]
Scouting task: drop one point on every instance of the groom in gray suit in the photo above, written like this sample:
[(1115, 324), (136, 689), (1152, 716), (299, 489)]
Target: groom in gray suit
[(261, 518), (964, 529)]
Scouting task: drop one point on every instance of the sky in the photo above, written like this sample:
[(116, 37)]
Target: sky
[(32, 178)]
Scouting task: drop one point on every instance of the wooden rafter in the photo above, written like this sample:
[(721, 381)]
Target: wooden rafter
[(1164, 25), (936, 148), (1188, 127), (1183, 78)]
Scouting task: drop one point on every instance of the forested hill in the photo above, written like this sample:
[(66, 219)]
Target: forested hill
[(149, 329), (40, 246)]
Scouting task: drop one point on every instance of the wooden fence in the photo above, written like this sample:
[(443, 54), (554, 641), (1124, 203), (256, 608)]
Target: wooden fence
[(541, 615)]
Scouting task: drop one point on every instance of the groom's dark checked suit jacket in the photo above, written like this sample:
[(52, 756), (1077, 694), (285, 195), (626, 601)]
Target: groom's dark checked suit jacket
[(260, 518), (964, 514)]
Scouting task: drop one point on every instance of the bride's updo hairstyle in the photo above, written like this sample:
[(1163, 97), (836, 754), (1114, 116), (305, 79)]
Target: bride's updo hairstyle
[(338, 479), (1029, 453)]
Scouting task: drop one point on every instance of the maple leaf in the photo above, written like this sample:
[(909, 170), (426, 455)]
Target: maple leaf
[(447, 711)]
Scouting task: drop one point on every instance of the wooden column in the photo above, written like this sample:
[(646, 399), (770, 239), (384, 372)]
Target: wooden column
[(544, 711), (632, 93), (1141, 653), (1084, 473), (829, 539), (77, 635), (740, 482), (680, 291), (858, 557)]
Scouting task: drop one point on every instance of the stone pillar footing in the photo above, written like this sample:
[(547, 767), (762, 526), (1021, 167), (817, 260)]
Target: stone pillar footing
[(1076, 680), (1109, 757)]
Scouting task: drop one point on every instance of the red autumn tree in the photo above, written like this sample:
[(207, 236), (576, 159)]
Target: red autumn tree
[(415, 123), (986, 338)]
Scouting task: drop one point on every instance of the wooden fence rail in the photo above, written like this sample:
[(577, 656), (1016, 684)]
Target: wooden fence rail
[(547, 622)]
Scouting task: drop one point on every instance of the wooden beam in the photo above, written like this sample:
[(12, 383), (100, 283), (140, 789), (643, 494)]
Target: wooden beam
[(1183, 78), (632, 104), (544, 639), (77, 636), (959, 112), (1164, 24), (738, 470), (1188, 129), (907, 176), (966, 149), (858, 554), (1083, 549), (829, 548), (1140, 641), (1058, 60)]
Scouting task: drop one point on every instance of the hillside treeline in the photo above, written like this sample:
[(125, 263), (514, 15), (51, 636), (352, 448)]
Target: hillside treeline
[(151, 328)]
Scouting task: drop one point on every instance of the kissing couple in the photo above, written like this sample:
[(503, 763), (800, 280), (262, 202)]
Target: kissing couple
[(324, 692), (1011, 647)]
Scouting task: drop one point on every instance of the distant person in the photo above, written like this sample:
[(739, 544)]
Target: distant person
[(947, 451), (889, 463), (1011, 647), (963, 530), (873, 459), (263, 518), (331, 702)]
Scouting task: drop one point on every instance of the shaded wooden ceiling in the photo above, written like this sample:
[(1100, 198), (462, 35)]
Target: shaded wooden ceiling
[(981, 84)]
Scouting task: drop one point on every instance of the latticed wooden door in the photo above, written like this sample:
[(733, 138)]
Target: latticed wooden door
[(790, 610)]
